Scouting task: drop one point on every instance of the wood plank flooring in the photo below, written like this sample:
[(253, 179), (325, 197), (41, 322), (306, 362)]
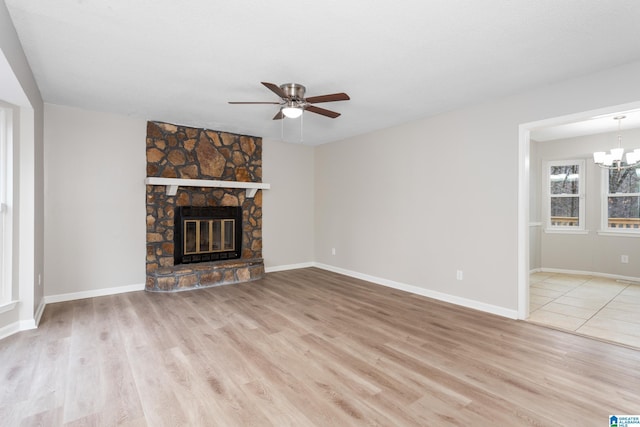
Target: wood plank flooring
[(304, 348)]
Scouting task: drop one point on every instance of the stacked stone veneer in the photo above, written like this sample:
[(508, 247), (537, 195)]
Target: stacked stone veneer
[(183, 152)]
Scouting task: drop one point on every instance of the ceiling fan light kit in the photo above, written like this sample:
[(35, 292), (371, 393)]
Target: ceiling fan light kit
[(291, 110), (293, 103)]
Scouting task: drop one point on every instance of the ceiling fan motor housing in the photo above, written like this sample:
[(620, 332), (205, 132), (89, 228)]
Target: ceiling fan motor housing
[(294, 90)]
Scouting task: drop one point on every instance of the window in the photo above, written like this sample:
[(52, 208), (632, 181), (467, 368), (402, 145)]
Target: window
[(564, 184), (621, 200)]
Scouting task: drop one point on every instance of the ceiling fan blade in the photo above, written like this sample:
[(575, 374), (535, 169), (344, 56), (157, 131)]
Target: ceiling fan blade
[(328, 98), (322, 111), (242, 102), (278, 116), (275, 89)]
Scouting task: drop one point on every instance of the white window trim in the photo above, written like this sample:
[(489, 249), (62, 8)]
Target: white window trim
[(6, 211), (605, 230), (555, 229)]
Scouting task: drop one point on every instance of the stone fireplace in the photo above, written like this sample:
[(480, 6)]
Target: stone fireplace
[(202, 230)]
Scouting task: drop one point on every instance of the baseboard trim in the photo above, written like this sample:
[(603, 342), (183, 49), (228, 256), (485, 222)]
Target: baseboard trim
[(452, 299), (51, 299), (39, 312), (10, 329), (288, 267), (589, 273)]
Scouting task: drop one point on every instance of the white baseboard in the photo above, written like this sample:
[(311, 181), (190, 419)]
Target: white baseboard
[(10, 329), (590, 273), (50, 299), (476, 305), (39, 312), (20, 325), (288, 267)]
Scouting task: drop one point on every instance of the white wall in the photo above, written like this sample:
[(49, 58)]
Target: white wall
[(591, 252), (95, 228), (288, 207), (417, 202)]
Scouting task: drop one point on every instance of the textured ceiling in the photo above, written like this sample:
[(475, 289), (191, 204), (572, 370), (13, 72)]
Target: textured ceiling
[(181, 61)]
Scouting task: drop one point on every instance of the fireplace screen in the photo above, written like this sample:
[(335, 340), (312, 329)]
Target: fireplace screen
[(207, 234)]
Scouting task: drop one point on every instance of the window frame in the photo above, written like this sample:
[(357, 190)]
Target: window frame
[(605, 230), (549, 227), (6, 212)]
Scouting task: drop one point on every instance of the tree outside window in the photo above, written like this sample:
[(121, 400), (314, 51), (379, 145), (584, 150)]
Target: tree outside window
[(564, 190), (622, 202)]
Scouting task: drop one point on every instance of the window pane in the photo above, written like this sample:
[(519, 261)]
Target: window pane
[(624, 212), (624, 181), (565, 211), (564, 179)]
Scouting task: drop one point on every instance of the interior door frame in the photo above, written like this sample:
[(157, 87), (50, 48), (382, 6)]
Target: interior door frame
[(524, 194)]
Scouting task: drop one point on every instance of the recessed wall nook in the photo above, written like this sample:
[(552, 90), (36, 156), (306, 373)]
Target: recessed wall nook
[(192, 172)]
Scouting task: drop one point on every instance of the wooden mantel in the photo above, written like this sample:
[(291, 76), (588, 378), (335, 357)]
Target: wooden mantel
[(172, 184)]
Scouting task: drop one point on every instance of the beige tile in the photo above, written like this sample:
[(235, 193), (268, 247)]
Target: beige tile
[(620, 304), (583, 302), (594, 306), (605, 281), (595, 293), (545, 292), (555, 319), (629, 299), (619, 326), (624, 315), (539, 300), (536, 277), (609, 335), (568, 280), (608, 286), (534, 307), (560, 287), (570, 310), (632, 290)]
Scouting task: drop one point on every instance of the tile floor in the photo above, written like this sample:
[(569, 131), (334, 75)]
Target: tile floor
[(595, 306)]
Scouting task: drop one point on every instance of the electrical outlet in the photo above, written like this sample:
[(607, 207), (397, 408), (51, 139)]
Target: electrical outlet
[(333, 251), (624, 259), (459, 275)]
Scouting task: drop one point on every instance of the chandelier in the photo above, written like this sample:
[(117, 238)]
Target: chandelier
[(614, 159)]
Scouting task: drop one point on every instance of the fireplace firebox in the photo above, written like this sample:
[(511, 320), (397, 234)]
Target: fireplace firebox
[(209, 233)]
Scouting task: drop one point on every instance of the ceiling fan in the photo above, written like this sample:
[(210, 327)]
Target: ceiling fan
[(293, 103)]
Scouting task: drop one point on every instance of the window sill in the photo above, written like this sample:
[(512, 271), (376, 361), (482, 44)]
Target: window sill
[(619, 233), (565, 231), (8, 306)]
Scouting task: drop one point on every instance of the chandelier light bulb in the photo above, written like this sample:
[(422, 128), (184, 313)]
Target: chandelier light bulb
[(613, 159)]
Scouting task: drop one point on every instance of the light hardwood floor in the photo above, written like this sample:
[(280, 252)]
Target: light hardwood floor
[(305, 348)]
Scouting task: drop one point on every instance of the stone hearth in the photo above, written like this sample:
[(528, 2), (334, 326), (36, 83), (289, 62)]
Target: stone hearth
[(175, 151)]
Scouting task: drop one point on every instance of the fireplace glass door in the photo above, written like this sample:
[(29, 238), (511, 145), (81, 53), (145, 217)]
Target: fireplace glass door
[(207, 233), (208, 236)]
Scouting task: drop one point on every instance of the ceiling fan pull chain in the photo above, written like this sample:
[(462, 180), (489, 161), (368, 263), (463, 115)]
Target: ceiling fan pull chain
[(301, 128)]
